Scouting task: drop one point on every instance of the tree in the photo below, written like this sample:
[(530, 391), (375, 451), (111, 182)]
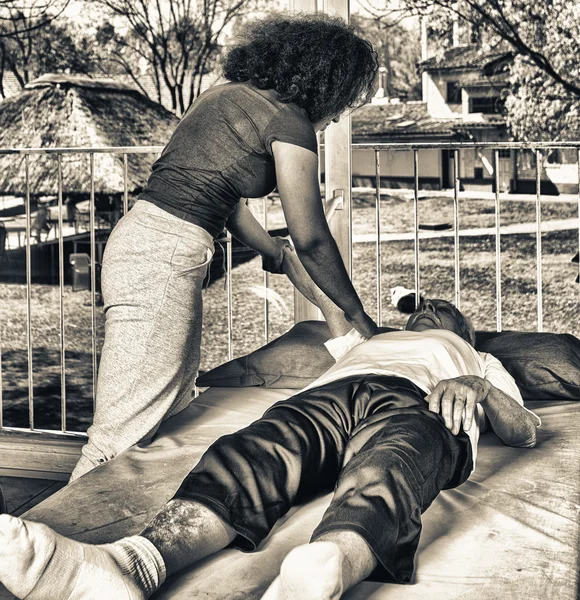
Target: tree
[(399, 52), (175, 41), (20, 16), (28, 50), (544, 99)]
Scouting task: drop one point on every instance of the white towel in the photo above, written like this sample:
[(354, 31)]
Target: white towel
[(339, 346)]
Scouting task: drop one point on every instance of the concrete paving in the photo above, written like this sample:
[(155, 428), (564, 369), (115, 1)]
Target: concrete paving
[(408, 194), (551, 225)]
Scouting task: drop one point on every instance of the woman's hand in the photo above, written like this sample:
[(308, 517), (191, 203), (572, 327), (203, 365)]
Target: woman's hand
[(272, 259), (297, 178), (363, 324)]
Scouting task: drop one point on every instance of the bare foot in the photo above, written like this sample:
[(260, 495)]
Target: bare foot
[(36, 563), (312, 571)]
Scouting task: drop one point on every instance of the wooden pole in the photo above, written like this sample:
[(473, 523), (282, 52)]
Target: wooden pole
[(337, 166)]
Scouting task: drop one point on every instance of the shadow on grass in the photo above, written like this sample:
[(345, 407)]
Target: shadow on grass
[(46, 368)]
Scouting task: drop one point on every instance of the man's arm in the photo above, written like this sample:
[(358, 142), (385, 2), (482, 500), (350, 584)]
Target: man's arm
[(456, 401), (511, 422)]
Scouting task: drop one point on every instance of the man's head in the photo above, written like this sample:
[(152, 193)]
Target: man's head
[(440, 314)]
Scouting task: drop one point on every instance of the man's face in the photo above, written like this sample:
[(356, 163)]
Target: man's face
[(435, 314)]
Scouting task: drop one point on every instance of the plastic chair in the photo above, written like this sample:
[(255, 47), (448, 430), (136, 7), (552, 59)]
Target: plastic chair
[(81, 271)]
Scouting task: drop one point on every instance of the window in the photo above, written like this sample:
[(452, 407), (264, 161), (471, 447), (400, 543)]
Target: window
[(478, 173), (504, 153), (488, 105), (453, 92)]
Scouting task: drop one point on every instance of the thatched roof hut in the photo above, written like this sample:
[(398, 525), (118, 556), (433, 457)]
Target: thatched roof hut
[(71, 111)]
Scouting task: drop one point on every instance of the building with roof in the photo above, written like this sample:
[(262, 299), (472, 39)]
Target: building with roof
[(72, 111), (463, 96), (462, 100)]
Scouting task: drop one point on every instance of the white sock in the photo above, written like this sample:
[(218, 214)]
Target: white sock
[(37, 563), (139, 557), (312, 571)]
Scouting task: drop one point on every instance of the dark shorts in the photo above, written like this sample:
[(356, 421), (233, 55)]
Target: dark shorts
[(371, 438)]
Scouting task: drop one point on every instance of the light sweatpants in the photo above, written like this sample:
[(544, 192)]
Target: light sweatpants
[(154, 266)]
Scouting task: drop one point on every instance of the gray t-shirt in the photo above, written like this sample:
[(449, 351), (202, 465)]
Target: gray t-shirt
[(221, 151)]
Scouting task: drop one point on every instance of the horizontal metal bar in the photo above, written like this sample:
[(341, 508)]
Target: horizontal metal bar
[(462, 145), (355, 146), (57, 432), (98, 150)]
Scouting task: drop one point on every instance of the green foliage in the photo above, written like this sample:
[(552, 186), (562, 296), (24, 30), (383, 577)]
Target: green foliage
[(543, 101), (54, 47), (399, 52), (540, 105)]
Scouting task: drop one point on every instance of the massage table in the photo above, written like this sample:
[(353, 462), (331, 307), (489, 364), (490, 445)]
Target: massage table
[(510, 532)]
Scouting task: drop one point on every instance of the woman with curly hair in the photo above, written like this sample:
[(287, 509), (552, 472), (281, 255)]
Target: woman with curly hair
[(289, 77)]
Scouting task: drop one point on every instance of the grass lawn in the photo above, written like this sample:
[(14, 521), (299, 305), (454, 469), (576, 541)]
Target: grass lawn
[(561, 299)]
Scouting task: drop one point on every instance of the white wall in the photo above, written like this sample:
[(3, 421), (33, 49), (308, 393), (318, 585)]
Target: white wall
[(435, 94), (395, 163)]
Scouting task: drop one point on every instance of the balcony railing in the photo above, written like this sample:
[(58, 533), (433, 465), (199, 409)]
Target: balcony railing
[(381, 154)]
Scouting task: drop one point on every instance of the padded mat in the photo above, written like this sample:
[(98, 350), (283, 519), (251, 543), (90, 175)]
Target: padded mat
[(509, 532)]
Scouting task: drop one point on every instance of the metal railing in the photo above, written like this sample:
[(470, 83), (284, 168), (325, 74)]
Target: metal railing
[(125, 152), (58, 154), (456, 147)]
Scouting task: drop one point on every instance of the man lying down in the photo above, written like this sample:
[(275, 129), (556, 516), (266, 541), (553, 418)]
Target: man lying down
[(391, 424)]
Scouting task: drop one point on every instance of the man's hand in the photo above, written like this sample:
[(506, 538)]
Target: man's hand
[(455, 400)]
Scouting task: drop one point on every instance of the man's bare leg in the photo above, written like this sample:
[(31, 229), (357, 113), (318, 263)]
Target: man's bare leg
[(35, 561), (185, 532), (324, 569)]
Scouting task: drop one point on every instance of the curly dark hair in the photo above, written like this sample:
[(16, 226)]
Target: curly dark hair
[(314, 61)]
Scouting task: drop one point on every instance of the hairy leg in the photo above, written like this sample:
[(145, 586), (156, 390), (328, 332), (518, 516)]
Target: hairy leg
[(185, 532), (35, 560), (324, 569)]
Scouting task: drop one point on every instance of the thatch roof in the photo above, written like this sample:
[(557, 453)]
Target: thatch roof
[(78, 112)]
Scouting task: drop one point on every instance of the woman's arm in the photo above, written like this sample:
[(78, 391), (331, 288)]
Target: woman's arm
[(297, 177), (244, 227), (295, 271), (279, 257)]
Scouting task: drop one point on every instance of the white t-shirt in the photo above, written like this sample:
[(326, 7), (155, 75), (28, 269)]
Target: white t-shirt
[(425, 358)]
